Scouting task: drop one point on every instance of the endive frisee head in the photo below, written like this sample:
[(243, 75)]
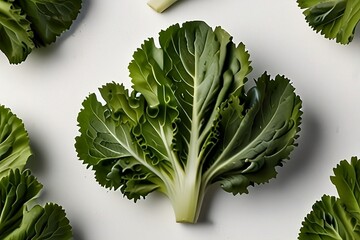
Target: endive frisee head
[(189, 122)]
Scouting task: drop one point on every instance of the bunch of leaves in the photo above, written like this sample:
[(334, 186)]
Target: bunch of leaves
[(26, 24), (335, 218), (20, 218), (335, 19), (189, 121)]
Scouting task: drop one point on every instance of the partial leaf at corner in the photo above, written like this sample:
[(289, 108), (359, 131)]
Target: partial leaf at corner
[(48, 222), (328, 220), (16, 190), (19, 220), (347, 182), (49, 18), (335, 19), (15, 32), (14, 142)]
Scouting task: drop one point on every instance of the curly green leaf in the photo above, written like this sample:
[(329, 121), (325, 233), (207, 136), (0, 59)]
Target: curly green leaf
[(335, 218), (188, 122), (49, 18), (328, 220), (18, 190), (335, 19), (15, 32), (14, 142), (26, 24), (347, 183), (258, 139)]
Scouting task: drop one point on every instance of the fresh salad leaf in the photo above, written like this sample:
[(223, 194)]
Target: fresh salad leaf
[(189, 121), (20, 219), (26, 24), (337, 218), (335, 19), (17, 222)]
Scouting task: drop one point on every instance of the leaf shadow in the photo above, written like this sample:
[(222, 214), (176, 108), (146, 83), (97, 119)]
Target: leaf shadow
[(310, 138), (37, 162), (205, 210), (38, 167), (85, 6), (356, 39), (77, 233)]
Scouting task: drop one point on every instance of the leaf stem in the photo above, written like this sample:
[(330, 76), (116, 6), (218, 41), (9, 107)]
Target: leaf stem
[(161, 5)]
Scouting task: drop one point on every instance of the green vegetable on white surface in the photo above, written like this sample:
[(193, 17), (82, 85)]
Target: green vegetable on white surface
[(336, 218), (161, 5), (335, 19), (26, 24), (20, 218), (189, 121)]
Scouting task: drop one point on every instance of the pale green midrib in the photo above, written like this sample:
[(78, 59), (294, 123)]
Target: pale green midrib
[(212, 118), (192, 161), (213, 170), (177, 169), (188, 186), (170, 154), (196, 137), (160, 5)]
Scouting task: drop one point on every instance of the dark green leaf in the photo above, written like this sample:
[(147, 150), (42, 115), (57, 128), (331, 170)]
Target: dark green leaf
[(188, 122), (335, 19), (49, 18), (257, 135)]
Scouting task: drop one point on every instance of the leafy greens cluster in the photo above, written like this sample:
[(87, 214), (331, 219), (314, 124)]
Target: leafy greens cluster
[(335, 19), (26, 24), (19, 219), (334, 218), (189, 121)]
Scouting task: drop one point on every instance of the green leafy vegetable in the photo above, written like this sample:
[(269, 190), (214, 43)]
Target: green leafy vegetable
[(335, 218), (26, 24), (335, 19), (14, 142), (189, 122), (19, 218), (161, 5)]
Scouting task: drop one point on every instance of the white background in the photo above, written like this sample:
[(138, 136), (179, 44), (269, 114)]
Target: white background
[(46, 92)]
